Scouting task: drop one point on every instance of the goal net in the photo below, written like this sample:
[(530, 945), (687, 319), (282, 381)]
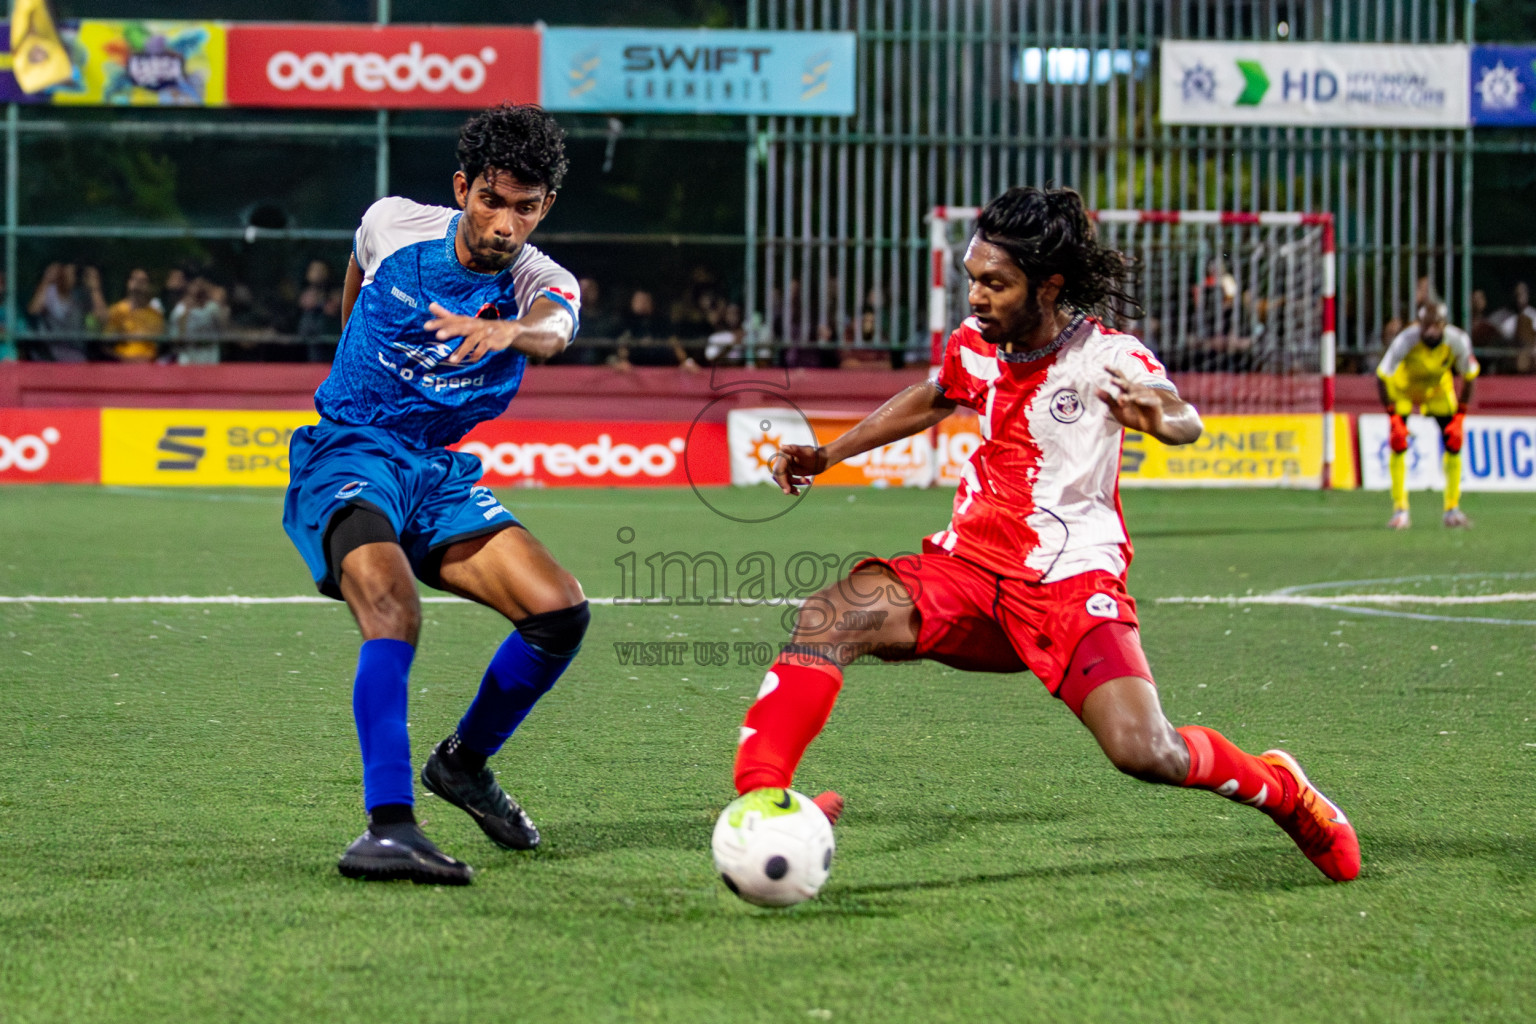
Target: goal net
[(1239, 306)]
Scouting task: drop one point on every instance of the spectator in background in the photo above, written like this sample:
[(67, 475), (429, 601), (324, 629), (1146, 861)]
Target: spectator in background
[(697, 311), (252, 332), (1516, 326), (1482, 330), (644, 339), (855, 357), (198, 321), (64, 309), (8, 351), (174, 288), (133, 324), (319, 325), (725, 345), (1391, 329)]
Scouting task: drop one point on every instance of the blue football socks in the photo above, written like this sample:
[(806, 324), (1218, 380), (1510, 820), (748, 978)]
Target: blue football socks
[(378, 704), (518, 676)]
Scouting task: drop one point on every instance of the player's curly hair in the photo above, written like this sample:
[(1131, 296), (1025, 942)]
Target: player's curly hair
[(1047, 231), (520, 139)]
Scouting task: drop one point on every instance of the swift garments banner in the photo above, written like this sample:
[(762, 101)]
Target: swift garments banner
[(699, 71), (389, 66)]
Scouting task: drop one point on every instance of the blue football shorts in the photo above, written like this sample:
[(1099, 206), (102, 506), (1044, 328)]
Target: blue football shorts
[(430, 496)]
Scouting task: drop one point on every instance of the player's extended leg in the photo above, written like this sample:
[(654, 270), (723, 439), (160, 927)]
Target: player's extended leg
[(513, 573), (1452, 434), (1126, 718), (376, 581), (871, 611), (1397, 466)]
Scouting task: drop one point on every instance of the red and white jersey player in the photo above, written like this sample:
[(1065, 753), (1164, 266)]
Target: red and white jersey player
[(1040, 499)]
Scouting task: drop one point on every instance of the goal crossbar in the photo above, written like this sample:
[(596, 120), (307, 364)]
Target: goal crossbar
[(941, 217)]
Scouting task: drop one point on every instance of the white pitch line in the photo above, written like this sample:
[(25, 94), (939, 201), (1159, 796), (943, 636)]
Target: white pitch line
[(1315, 601)]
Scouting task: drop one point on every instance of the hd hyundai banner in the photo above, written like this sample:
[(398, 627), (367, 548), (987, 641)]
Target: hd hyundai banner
[(696, 71), (1370, 85)]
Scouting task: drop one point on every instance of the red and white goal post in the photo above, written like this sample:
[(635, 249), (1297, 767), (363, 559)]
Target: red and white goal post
[(1241, 307)]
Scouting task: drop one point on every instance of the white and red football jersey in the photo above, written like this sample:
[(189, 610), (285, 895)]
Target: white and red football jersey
[(1040, 499)]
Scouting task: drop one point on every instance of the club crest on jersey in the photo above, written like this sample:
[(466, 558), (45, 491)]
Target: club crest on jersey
[(351, 490), (489, 312), (1103, 606), (1067, 406)]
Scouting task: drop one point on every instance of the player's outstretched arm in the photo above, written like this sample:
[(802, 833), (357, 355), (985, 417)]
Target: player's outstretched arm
[(541, 333), (1156, 411), (911, 410), (349, 289)]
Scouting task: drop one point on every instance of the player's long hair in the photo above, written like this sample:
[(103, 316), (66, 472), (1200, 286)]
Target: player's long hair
[(520, 139), (1047, 231)]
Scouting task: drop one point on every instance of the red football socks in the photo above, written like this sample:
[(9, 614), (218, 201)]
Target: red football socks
[(792, 706), (1216, 764)]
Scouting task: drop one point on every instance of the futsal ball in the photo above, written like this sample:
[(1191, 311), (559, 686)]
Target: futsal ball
[(773, 847)]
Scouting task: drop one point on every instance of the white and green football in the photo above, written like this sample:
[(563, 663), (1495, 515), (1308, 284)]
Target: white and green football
[(773, 847)]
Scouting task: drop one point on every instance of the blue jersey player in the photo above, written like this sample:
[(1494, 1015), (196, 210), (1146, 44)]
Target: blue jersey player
[(442, 310)]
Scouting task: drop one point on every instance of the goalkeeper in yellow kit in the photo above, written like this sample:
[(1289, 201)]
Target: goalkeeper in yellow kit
[(1419, 369)]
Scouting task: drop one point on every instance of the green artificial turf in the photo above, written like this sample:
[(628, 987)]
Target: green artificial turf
[(176, 782)]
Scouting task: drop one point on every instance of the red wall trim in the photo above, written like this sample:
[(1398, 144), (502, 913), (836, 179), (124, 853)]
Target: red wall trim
[(598, 392)]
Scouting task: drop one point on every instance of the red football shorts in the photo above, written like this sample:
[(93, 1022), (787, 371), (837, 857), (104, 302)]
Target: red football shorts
[(1074, 634)]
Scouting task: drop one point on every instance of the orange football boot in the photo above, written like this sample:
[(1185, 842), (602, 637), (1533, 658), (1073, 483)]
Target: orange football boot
[(831, 805), (1316, 824)]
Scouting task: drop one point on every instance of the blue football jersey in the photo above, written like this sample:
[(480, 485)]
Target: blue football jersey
[(391, 372)]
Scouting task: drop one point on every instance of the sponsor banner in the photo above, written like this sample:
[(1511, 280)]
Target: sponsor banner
[(61, 446), (148, 64), (10, 89), (160, 447), (1280, 450), (756, 434), (568, 453), (699, 71), (388, 66), (1503, 85), (133, 63), (1498, 454), (1377, 85)]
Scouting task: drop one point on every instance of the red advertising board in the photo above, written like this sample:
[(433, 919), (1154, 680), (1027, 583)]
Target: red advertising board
[(50, 446), (585, 453), (381, 66)]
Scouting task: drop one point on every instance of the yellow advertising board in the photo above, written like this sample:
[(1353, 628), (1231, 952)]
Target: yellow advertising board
[(1280, 450), (148, 63), (161, 447)]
